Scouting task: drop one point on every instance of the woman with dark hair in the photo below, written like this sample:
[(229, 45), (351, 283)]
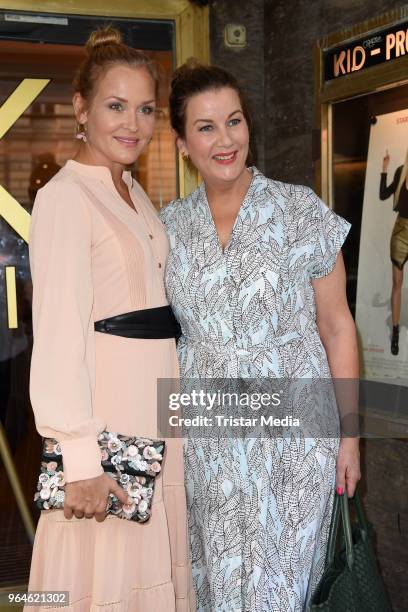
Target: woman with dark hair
[(256, 278), (98, 250), (399, 238)]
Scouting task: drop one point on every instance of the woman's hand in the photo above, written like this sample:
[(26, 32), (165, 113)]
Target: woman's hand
[(386, 161), (89, 498), (348, 466)]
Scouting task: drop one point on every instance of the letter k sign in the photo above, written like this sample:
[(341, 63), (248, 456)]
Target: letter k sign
[(15, 105), (11, 210)]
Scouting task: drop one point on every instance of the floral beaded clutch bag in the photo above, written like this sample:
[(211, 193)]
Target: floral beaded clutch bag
[(133, 462)]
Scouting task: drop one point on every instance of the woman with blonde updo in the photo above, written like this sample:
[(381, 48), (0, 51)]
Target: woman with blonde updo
[(98, 250)]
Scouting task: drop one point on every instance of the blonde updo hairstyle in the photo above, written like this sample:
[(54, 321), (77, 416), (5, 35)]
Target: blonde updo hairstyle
[(104, 49)]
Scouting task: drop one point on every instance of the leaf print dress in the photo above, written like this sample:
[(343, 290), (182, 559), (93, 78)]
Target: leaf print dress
[(259, 509)]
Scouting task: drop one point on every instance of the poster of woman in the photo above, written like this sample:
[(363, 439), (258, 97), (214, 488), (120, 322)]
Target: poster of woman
[(382, 290), (399, 238)]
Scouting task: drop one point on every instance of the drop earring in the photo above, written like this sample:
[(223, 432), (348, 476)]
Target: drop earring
[(81, 132), (184, 155)]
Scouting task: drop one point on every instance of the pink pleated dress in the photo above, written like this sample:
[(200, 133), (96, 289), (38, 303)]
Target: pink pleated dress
[(93, 257)]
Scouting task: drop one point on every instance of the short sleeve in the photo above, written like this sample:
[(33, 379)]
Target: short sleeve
[(330, 233), (61, 379)]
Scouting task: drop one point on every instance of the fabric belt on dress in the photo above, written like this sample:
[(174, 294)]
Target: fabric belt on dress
[(152, 323)]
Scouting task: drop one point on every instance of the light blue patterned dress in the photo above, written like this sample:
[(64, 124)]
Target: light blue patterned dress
[(259, 509)]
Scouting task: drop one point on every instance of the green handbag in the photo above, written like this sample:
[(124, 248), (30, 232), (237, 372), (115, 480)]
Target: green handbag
[(351, 581)]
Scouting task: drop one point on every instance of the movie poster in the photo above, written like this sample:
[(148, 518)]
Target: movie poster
[(384, 234)]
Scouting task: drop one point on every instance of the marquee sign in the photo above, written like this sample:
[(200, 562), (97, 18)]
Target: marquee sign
[(376, 48)]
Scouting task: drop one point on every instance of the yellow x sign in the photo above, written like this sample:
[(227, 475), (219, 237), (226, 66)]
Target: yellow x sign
[(15, 105)]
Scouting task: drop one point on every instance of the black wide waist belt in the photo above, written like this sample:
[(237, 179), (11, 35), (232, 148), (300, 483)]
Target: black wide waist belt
[(152, 323)]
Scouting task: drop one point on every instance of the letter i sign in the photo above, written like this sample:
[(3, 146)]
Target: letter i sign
[(11, 210)]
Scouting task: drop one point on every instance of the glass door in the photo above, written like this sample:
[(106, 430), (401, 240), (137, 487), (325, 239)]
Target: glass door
[(352, 121)]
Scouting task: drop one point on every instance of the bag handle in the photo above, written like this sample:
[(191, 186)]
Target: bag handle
[(361, 518), (340, 507), (334, 526), (346, 524)]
